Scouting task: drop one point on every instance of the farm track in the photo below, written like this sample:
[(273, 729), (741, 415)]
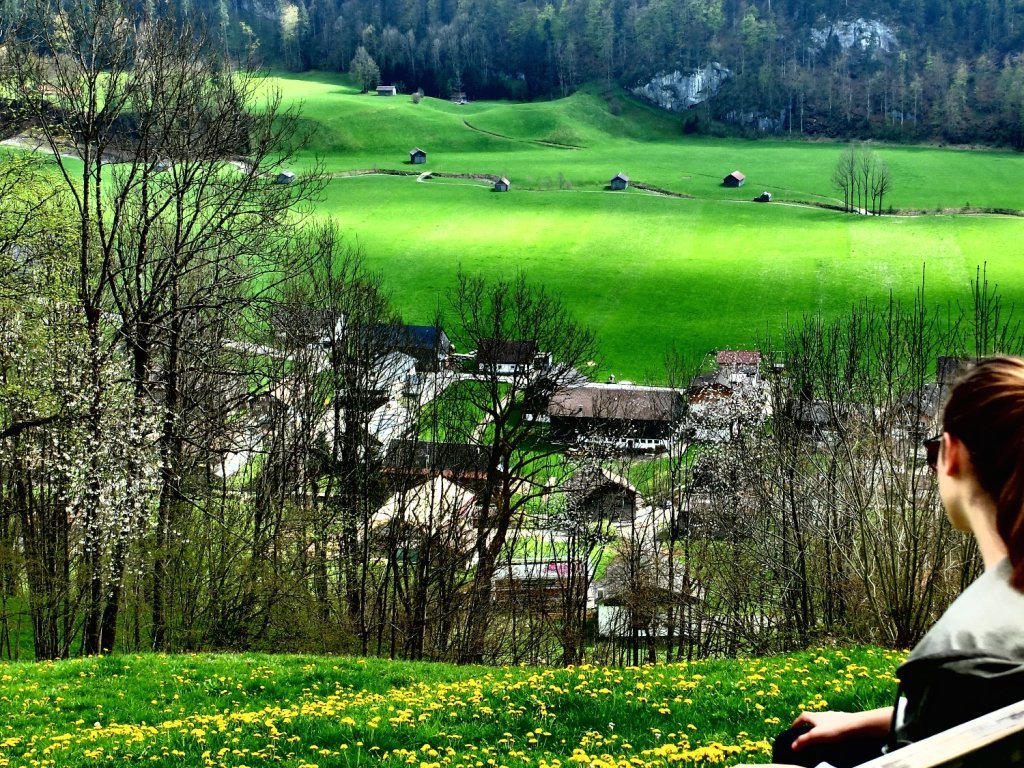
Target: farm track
[(822, 202), (825, 203), (539, 142)]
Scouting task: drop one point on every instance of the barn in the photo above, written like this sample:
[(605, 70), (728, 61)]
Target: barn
[(619, 181), (417, 156), (734, 179)]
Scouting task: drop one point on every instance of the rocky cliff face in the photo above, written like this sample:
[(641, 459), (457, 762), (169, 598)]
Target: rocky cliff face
[(676, 91), (865, 34)]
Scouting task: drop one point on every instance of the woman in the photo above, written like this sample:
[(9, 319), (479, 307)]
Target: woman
[(972, 660)]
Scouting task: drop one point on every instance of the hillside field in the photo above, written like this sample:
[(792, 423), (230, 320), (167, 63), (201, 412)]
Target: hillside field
[(712, 270), (304, 711)]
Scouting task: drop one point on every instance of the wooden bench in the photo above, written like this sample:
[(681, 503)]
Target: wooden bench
[(994, 740)]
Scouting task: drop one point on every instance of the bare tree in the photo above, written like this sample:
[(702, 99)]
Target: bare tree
[(881, 184), (528, 348), (863, 179), (167, 235)]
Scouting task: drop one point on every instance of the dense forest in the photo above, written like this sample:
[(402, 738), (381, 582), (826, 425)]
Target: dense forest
[(927, 69)]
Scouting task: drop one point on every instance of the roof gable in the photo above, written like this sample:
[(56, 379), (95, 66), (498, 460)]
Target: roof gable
[(738, 357)]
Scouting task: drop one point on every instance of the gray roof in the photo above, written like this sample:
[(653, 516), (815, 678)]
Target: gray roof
[(614, 401)]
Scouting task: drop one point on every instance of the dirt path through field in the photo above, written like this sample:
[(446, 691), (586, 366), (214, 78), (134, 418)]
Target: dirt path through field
[(541, 142)]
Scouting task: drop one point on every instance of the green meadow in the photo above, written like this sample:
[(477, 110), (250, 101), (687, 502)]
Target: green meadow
[(707, 269), (700, 268)]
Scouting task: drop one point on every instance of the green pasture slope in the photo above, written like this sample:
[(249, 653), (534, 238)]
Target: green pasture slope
[(252, 710), (709, 269)]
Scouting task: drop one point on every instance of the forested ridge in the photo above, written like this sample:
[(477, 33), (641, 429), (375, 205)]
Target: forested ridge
[(951, 69)]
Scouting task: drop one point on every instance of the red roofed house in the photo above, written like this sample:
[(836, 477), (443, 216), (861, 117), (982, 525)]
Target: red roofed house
[(738, 366), (744, 357), (734, 179)]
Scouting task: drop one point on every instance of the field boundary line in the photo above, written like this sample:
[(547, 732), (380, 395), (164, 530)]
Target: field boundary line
[(541, 142)]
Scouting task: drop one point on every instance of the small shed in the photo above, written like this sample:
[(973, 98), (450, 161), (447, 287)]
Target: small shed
[(764, 197), (502, 185), (459, 97), (619, 181), (734, 179), (285, 177), (387, 90), (417, 156)]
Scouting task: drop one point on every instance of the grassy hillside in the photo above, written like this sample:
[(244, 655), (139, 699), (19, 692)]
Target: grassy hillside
[(706, 271), (300, 712), (589, 137)]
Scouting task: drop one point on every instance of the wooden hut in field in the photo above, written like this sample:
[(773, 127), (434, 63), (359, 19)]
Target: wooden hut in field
[(285, 177), (619, 181), (734, 179), (387, 90), (502, 185), (417, 156)]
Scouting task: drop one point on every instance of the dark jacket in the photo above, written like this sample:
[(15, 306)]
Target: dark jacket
[(945, 690)]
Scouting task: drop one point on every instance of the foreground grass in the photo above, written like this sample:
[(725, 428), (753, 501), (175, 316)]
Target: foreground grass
[(254, 710)]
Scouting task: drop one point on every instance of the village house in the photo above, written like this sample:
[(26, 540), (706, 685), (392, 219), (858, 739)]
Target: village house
[(916, 414), (428, 345), (596, 494), (544, 583), (439, 508), (507, 357), (619, 181), (734, 179), (387, 90), (464, 463), (623, 416), (740, 367), (636, 596), (394, 374), (417, 156)]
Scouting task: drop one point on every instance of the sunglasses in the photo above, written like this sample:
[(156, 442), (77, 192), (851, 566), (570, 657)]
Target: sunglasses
[(931, 448)]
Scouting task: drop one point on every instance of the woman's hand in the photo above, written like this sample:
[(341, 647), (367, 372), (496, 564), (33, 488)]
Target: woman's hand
[(836, 726)]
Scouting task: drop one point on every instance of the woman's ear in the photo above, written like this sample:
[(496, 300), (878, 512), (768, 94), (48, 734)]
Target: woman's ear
[(954, 456)]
